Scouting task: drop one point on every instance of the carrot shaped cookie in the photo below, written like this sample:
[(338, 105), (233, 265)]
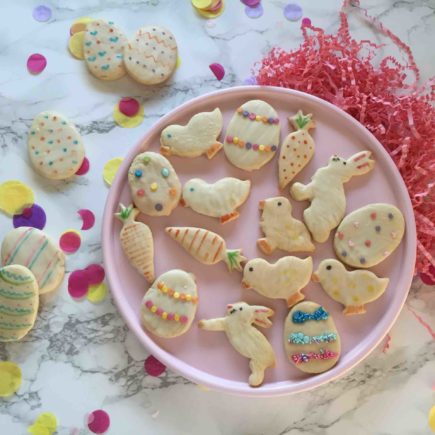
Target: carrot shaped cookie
[(137, 242), (207, 247), (247, 340), (297, 148)]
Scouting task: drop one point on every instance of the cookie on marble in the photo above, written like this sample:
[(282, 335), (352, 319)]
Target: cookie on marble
[(103, 49), (154, 184), (55, 146), (19, 301), (32, 248), (151, 56)]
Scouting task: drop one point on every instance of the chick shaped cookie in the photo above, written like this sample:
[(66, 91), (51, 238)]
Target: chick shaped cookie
[(154, 184), (351, 289)]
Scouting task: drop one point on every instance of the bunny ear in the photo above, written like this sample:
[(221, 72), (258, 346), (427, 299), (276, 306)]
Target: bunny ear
[(261, 315), (362, 162)]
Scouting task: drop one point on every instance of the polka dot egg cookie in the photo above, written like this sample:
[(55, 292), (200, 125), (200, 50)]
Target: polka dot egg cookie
[(368, 235), (154, 185), (55, 147)]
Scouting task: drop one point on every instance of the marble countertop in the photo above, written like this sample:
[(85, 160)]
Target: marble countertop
[(81, 357)]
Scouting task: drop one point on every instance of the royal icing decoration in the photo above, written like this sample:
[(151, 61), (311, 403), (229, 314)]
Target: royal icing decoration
[(301, 338), (186, 297), (248, 145), (302, 317), (255, 117), (164, 314), (301, 358)]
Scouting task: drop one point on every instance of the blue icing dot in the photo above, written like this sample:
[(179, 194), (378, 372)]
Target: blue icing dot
[(50, 163), (245, 113), (378, 228), (158, 207), (248, 145), (390, 216), (75, 142), (273, 148), (343, 253), (362, 260), (138, 173), (65, 150), (191, 189), (165, 172)]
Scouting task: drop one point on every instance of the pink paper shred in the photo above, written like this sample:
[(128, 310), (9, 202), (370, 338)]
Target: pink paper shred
[(378, 94), (386, 343)]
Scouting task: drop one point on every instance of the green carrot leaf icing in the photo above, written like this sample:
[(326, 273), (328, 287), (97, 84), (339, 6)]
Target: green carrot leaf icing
[(234, 258), (302, 122)]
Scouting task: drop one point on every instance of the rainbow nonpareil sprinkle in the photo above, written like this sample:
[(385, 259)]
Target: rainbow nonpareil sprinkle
[(301, 358)]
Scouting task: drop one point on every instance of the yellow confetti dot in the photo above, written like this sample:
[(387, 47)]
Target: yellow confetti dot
[(75, 45), (128, 121), (154, 186), (80, 25), (178, 64), (432, 418), (110, 169), (15, 196), (202, 4), (97, 293), (208, 14), (46, 423), (10, 378), (37, 429)]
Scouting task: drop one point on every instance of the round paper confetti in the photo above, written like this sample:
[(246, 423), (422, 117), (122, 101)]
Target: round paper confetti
[(78, 284), (33, 216), (84, 168), (251, 3), (41, 13), (88, 218), (306, 22), (80, 24), (202, 4), (10, 378), (95, 274), (45, 424), (98, 421), (97, 293), (256, 12), (178, 63), (75, 45), (293, 12), (250, 81), (15, 196), (153, 366), (110, 169), (128, 121), (432, 418), (218, 70), (214, 13), (129, 106), (70, 241), (36, 63)]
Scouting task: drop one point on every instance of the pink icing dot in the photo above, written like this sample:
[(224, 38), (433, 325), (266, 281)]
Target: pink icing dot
[(98, 421), (140, 192), (129, 106), (149, 304), (36, 63), (153, 366), (159, 311), (255, 147), (84, 168), (229, 139), (171, 316), (78, 284), (183, 319), (252, 116), (95, 273)]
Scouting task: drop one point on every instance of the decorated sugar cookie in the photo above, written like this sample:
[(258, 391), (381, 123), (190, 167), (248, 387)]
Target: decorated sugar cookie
[(170, 304), (352, 289), (19, 301), (281, 229), (137, 242), (103, 50), (297, 149), (154, 185), (326, 192), (252, 136), (55, 147), (238, 325), (33, 249), (311, 339), (151, 56), (369, 235), (281, 280), (206, 247), (220, 199), (197, 137)]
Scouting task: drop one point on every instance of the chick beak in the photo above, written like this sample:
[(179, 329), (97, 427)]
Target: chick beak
[(315, 277), (261, 204), (245, 285), (182, 202)]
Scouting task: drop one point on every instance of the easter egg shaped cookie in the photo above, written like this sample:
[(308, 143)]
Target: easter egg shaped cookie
[(170, 304), (369, 235), (103, 48), (19, 301), (252, 136), (311, 339), (32, 248), (151, 56), (55, 147), (154, 185)]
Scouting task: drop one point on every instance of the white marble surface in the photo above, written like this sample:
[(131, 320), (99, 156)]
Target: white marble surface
[(82, 357)]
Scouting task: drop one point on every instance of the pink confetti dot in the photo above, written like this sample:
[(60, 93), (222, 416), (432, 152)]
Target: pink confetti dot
[(36, 63), (70, 242), (88, 218), (251, 3), (95, 274), (78, 284), (218, 70), (129, 106), (153, 366), (306, 21), (98, 421), (84, 168)]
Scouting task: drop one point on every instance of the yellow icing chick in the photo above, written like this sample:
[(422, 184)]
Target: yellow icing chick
[(352, 289)]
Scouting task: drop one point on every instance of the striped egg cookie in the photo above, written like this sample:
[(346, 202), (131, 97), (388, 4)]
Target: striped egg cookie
[(19, 301), (33, 249)]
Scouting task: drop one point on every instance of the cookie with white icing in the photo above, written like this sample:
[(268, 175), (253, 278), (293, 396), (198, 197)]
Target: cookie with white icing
[(197, 137), (369, 235), (170, 304), (311, 339), (252, 136), (220, 199), (103, 49), (154, 184), (351, 289), (33, 249), (151, 56), (55, 146)]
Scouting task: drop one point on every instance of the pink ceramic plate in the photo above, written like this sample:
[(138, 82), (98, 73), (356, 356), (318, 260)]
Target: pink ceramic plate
[(206, 357)]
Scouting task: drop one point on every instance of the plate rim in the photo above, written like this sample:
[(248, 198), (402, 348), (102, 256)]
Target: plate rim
[(217, 383)]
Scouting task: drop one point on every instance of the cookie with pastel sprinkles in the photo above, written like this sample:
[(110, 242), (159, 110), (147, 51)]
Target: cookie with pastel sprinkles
[(55, 146), (32, 248), (19, 301), (151, 56), (103, 48)]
